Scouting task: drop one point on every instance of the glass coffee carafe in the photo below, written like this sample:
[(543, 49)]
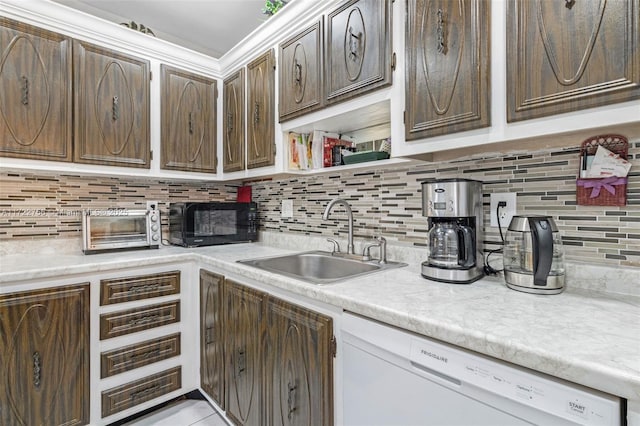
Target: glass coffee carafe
[(452, 246)]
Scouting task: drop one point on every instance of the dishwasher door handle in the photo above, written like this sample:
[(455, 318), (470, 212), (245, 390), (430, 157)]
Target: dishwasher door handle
[(437, 374)]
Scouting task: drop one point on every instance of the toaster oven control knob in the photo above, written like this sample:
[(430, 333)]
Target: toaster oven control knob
[(154, 218), (154, 227), (155, 237)]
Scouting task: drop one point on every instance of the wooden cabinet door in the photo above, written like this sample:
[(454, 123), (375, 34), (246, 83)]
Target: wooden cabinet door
[(447, 67), (35, 93), (260, 111), (244, 366), (233, 123), (358, 55), (300, 73), (44, 357), (212, 336), (188, 104), (111, 107), (300, 365), (569, 55)]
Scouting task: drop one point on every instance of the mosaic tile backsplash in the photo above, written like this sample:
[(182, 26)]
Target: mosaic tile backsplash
[(387, 201)]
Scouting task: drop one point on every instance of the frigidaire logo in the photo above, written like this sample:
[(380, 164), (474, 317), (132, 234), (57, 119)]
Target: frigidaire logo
[(579, 408), (434, 356)]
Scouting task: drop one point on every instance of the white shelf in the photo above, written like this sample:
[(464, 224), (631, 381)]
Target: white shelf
[(338, 169)]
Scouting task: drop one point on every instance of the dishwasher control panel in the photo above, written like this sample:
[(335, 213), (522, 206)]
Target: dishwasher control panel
[(564, 400)]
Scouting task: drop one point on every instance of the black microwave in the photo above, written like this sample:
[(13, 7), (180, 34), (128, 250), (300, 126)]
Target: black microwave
[(214, 223)]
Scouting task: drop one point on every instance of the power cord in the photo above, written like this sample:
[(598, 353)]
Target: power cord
[(488, 269)]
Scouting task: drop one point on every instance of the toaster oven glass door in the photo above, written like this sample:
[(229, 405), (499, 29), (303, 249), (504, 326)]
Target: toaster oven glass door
[(118, 230)]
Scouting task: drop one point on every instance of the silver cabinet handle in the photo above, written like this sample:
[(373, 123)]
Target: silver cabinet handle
[(290, 400), (37, 369), (442, 48), (25, 90), (115, 108)]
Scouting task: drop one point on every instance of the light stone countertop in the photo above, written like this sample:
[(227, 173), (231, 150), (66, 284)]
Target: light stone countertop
[(588, 338)]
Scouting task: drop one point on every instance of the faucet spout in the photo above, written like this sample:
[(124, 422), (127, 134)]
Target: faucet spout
[(347, 207)]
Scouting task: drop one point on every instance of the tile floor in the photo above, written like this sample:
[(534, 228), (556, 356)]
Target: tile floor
[(187, 412)]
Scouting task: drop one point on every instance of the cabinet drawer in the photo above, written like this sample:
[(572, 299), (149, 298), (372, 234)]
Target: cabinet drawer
[(135, 356), (120, 290), (143, 390), (133, 320)]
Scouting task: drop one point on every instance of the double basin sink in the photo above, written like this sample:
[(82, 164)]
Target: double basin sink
[(319, 267)]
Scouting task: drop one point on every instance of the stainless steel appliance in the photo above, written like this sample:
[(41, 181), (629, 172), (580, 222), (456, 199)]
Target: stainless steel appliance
[(121, 229), (206, 224), (393, 377), (533, 255), (454, 211)]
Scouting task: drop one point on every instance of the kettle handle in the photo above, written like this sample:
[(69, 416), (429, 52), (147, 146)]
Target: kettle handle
[(542, 242), (467, 248)]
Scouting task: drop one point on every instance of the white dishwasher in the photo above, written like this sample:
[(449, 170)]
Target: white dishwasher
[(394, 377)]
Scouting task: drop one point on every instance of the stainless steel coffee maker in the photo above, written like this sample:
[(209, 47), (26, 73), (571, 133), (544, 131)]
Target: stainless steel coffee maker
[(454, 211)]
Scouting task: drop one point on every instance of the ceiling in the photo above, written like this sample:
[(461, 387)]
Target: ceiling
[(211, 27)]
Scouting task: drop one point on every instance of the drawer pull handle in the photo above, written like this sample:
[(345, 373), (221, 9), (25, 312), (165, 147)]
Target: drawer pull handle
[(298, 73), (210, 335), (144, 288), (146, 391), (355, 44), (290, 400), (37, 369), (190, 123), (569, 3), (144, 320), (144, 355)]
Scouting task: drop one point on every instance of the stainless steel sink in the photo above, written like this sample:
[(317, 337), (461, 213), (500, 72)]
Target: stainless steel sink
[(318, 267)]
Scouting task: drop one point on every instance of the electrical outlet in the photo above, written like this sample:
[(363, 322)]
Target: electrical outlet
[(504, 213), (287, 209)]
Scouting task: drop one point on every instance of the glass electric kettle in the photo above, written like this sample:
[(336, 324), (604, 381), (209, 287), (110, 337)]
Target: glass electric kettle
[(452, 246), (533, 256)]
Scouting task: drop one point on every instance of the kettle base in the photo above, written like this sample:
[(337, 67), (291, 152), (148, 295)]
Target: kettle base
[(536, 290)]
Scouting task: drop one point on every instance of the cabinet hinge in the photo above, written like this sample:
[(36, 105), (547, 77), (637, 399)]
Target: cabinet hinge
[(334, 346), (150, 155), (404, 117), (150, 75), (393, 61)]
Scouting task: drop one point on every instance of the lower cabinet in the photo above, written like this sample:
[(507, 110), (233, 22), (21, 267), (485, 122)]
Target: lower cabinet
[(44, 357), (211, 336), (278, 356)]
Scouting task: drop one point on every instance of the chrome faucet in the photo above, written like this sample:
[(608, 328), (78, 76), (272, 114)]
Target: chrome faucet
[(325, 216)]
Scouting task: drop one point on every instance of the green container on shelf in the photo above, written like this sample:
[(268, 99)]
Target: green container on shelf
[(363, 157)]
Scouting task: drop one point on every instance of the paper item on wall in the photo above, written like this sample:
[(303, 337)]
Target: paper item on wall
[(294, 156), (608, 164)]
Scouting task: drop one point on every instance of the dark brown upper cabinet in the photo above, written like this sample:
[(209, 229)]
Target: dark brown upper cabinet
[(447, 67), (358, 49), (569, 55), (35, 93), (233, 123), (300, 73), (111, 107), (44, 357), (261, 111), (188, 124)]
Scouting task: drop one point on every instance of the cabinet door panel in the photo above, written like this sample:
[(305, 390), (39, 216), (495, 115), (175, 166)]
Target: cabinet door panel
[(44, 357), (35, 93), (260, 111), (243, 353), (212, 336), (300, 73), (233, 123), (188, 121), (566, 56), (358, 48), (111, 107), (447, 70), (299, 390)]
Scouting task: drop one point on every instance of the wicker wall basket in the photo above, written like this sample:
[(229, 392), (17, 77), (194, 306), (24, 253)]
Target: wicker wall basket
[(610, 191)]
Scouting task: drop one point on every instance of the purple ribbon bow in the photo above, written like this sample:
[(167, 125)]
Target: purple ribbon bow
[(606, 183)]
